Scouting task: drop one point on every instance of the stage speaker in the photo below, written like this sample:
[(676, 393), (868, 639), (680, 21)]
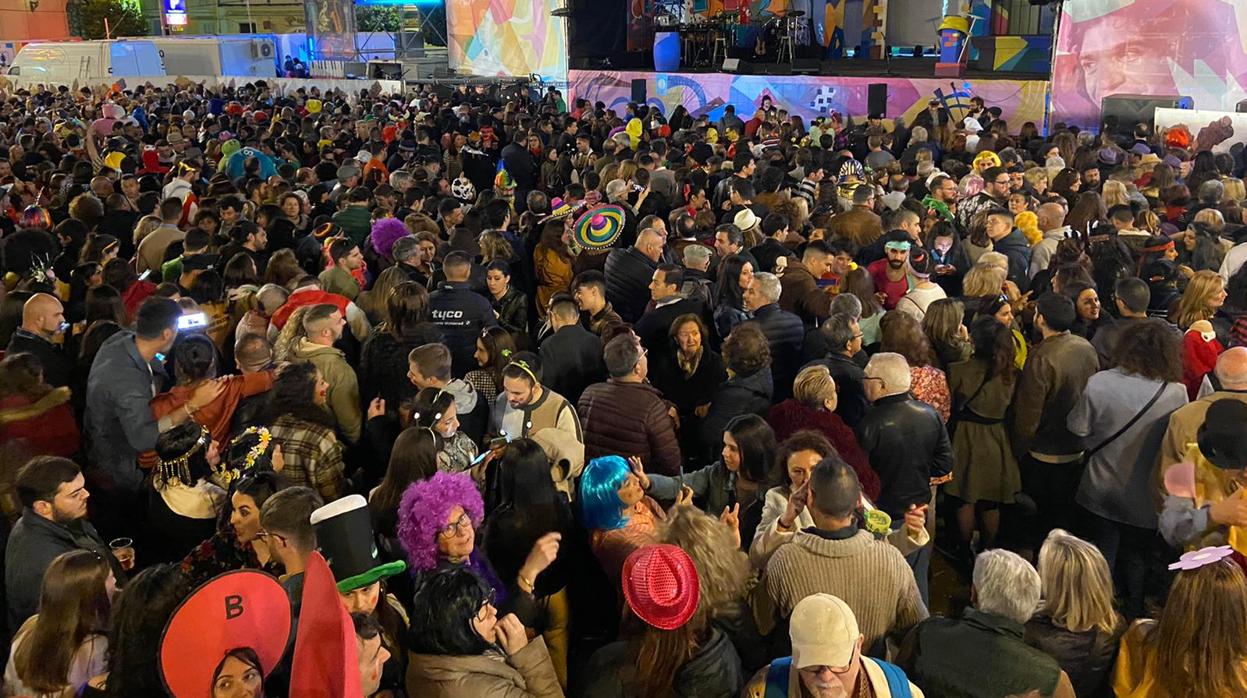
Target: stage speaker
[(877, 98), (806, 66), (1119, 113), (731, 65), (638, 91)]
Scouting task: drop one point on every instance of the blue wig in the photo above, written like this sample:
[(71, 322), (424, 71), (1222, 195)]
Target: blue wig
[(599, 493)]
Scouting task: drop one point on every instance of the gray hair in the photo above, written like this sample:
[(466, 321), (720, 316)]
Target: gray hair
[(838, 329), (405, 248), (846, 304), (400, 177), (768, 286), (1006, 585), (271, 297), (696, 255), (917, 134), (616, 189), (893, 369), (1210, 192)]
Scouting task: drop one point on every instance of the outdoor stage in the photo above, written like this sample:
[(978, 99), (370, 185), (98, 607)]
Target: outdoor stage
[(810, 96)]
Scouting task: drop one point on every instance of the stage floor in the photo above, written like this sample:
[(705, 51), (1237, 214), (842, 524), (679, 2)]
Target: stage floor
[(907, 67), (810, 96)]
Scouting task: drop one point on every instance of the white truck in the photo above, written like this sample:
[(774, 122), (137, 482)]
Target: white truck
[(85, 62), (250, 57)]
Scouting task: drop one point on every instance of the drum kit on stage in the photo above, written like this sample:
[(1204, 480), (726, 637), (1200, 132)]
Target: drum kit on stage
[(705, 39)]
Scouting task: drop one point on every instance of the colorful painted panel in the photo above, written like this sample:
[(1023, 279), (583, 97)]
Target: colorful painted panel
[(1193, 48), (1014, 54), (808, 97), (507, 37), (331, 29)]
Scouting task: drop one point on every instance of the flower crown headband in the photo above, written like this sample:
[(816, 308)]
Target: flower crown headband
[(261, 447)]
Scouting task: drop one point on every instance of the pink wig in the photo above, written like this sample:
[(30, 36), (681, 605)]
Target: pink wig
[(423, 512), (386, 232)]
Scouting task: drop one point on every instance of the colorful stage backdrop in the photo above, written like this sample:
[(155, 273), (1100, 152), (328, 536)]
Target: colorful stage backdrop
[(807, 96), (507, 37), (1194, 48)]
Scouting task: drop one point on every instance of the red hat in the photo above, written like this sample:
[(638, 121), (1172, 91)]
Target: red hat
[(664, 131), (237, 609), (661, 586), (325, 661)]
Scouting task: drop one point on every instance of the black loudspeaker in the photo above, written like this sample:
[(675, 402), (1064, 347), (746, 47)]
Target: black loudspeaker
[(1119, 113), (638, 91), (877, 99)]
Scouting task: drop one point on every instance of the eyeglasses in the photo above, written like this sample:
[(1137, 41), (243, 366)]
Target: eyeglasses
[(453, 529), (268, 534), (483, 611)]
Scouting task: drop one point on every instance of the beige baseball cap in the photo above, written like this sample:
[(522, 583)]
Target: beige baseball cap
[(823, 631)]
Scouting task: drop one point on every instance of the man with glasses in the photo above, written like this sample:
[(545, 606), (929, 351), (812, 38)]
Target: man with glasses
[(844, 341), (997, 185), (287, 531), (908, 447), (827, 657)]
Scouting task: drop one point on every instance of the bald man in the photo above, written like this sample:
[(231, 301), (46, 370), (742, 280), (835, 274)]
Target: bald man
[(42, 316), (1184, 423), (629, 272), (1052, 222)]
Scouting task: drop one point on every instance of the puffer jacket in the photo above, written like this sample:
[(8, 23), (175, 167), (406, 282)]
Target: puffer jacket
[(908, 447), (738, 395), (785, 333), (1086, 657), (628, 274), (525, 674), (629, 419)]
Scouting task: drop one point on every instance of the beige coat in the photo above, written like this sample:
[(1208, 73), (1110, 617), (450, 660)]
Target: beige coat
[(526, 674), (1184, 425)]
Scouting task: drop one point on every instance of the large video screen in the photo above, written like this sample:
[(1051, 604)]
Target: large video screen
[(1191, 48), (507, 37)]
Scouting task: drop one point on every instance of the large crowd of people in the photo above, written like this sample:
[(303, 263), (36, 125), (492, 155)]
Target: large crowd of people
[(538, 398)]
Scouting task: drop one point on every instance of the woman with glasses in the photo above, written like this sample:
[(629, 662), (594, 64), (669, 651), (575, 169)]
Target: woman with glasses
[(464, 646), (437, 524)]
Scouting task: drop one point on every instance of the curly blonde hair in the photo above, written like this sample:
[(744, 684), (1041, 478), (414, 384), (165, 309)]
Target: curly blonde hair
[(722, 566)]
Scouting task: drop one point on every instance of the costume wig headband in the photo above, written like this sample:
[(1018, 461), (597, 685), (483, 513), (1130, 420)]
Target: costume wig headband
[(178, 468), (425, 507), (599, 493)]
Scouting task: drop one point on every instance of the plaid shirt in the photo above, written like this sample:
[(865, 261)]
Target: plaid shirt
[(313, 456)]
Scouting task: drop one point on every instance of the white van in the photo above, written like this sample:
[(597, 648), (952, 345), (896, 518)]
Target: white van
[(244, 57), (85, 62)]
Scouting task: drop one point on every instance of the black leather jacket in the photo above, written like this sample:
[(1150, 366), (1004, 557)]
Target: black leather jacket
[(908, 446)]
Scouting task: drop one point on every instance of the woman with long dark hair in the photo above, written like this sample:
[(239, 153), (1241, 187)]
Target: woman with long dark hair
[(735, 275), (303, 427), (525, 507), (230, 547), (494, 348), (67, 642), (383, 359), (985, 472)]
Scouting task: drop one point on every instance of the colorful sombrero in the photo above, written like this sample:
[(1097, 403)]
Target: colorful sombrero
[(559, 208), (598, 228)]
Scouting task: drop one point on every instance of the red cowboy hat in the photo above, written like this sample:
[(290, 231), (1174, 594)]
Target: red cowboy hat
[(661, 586)]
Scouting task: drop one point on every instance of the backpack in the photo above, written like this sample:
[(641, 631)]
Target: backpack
[(777, 678)]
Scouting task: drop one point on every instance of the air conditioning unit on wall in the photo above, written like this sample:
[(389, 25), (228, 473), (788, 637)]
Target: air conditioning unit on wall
[(262, 48)]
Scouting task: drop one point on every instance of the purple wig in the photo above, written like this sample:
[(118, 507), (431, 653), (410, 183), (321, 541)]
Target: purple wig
[(423, 512), (386, 232)]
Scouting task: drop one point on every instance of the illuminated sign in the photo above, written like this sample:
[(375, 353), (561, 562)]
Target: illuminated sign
[(175, 13)]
